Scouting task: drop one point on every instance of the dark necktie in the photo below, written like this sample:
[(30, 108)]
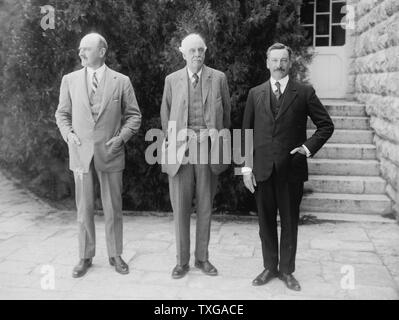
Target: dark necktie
[(278, 91), (196, 79)]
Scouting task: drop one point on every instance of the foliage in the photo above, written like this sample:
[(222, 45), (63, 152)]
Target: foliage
[(143, 37)]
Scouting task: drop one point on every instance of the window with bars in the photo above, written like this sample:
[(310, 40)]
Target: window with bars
[(323, 21)]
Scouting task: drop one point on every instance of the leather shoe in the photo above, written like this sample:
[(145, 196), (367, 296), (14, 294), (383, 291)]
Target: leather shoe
[(120, 265), (290, 281), (206, 267), (264, 277), (180, 271), (81, 268)]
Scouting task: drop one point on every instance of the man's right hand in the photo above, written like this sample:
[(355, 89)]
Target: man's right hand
[(73, 138), (249, 181)]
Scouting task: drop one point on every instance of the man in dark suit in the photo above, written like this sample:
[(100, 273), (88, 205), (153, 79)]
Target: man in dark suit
[(195, 98), (277, 111)]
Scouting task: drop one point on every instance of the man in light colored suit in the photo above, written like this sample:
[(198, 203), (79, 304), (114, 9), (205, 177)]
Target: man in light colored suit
[(97, 114), (195, 98)]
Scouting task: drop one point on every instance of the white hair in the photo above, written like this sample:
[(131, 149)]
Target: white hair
[(188, 38)]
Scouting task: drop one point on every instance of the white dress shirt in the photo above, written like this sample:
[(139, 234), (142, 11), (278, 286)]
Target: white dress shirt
[(191, 74), (283, 83), (99, 75)]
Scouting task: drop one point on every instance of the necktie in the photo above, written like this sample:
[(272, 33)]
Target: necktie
[(94, 84), (196, 79), (278, 91)]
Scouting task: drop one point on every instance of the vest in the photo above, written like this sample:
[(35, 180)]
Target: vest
[(96, 99), (195, 107)]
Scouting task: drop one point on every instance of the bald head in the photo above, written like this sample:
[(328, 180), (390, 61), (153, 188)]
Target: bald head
[(92, 49), (193, 49)]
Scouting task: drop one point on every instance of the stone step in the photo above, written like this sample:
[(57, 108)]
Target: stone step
[(352, 217), (348, 136), (344, 167), (346, 123), (345, 108), (348, 203), (347, 151), (345, 184)]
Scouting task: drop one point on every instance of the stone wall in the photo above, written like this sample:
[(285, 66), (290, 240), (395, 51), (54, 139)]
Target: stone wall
[(375, 76)]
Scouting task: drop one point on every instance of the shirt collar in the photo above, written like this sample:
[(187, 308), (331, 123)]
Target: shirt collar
[(283, 83), (190, 74), (99, 72)]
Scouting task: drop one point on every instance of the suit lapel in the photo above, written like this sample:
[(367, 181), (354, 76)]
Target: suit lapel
[(206, 83), (289, 96), (183, 88), (110, 80), (83, 91), (265, 99)]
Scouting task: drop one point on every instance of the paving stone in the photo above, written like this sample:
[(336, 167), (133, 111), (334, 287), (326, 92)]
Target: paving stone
[(154, 262), (313, 255), (327, 244), (316, 290), (33, 235), (372, 293), (239, 250), (33, 255), (30, 294), (147, 246), (16, 280), (355, 257), (364, 274), (163, 278), (16, 267), (202, 281), (238, 267), (308, 271)]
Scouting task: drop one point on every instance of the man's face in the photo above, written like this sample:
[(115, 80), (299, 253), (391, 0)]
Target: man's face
[(194, 54), (278, 62), (90, 52)]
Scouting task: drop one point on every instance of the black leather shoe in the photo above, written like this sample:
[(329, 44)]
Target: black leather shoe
[(206, 267), (180, 271), (264, 277), (120, 265), (81, 268), (290, 281)]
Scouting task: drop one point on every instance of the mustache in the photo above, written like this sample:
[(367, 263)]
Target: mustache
[(279, 69)]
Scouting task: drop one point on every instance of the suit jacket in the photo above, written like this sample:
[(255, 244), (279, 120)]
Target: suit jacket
[(275, 138), (119, 115), (216, 104)]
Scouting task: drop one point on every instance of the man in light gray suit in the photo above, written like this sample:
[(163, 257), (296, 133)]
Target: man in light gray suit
[(196, 98), (97, 114)]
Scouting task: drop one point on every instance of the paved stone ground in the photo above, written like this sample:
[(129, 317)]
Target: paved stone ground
[(34, 236)]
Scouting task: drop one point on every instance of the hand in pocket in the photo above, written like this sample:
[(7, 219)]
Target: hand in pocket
[(116, 144)]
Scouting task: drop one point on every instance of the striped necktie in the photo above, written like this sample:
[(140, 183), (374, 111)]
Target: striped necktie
[(195, 81), (94, 84)]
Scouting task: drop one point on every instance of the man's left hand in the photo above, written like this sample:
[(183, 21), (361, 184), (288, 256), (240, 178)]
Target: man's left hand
[(300, 149), (116, 143)]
